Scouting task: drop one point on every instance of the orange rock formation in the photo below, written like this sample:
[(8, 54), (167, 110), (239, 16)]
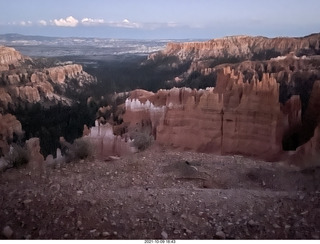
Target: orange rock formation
[(238, 46), (236, 117), (9, 126)]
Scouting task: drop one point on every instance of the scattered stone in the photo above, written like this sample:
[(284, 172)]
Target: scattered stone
[(188, 231), (176, 232), (93, 202), (7, 232), (27, 201), (287, 226), (112, 158), (220, 234), (65, 235), (79, 192), (70, 210), (3, 164), (251, 222), (42, 232), (275, 225), (93, 230), (183, 216), (105, 234), (164, 235), (55, 187), (115, 233)]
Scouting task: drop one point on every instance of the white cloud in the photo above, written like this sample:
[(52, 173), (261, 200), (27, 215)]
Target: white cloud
[(125, 24), (25, 23), (42, 22), (70, 21), (153, 26), (89, 21), (67, 22)]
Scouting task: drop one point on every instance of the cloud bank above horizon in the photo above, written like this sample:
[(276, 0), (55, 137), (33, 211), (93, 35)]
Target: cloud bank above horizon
[(71, 21), (168, 19)]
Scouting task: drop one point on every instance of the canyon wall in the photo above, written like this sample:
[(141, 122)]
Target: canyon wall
[(23, 82), (235, 117), (244, 47)]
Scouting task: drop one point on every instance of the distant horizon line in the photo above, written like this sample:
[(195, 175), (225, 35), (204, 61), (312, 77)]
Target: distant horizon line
[(162, 39)]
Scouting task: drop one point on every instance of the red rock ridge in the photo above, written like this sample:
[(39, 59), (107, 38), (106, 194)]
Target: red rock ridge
[(235, 117), (238, 46), (9, 56), (29, 84)]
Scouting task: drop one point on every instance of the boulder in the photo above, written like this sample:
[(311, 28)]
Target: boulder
[(36, 159)]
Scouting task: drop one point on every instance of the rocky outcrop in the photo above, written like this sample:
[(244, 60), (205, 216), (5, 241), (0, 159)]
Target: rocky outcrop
[(28, 84), (312, 115), (9, 126), (294, 62), (36, 160), (235, 117), (308, 154), (61, 73), (10, 57), (243, 47), (105, 143)]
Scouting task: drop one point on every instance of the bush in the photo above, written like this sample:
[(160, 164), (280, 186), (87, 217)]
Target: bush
[(141, 139), (17, 156), (81, 149)]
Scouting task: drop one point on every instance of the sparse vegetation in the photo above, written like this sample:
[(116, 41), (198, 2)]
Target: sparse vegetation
[(81, 149), (142, 139), (17, 156)]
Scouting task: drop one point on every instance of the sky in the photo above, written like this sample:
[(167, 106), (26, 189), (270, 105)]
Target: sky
[(161, 19)]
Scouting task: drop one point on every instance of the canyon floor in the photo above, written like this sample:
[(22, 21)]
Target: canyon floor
[(162, 194)]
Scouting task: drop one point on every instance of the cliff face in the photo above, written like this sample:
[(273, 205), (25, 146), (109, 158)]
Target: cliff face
[(294, 62), (244, 47), (10, 57), (27, 84), (235, 117)]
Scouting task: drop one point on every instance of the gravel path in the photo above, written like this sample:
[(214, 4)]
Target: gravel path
[(162, 194)]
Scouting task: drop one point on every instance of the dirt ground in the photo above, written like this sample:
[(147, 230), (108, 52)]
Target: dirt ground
[(162, 194)]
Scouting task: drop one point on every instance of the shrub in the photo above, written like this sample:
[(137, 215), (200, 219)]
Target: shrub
[(81, 148), (17, 156), (141, 139)]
